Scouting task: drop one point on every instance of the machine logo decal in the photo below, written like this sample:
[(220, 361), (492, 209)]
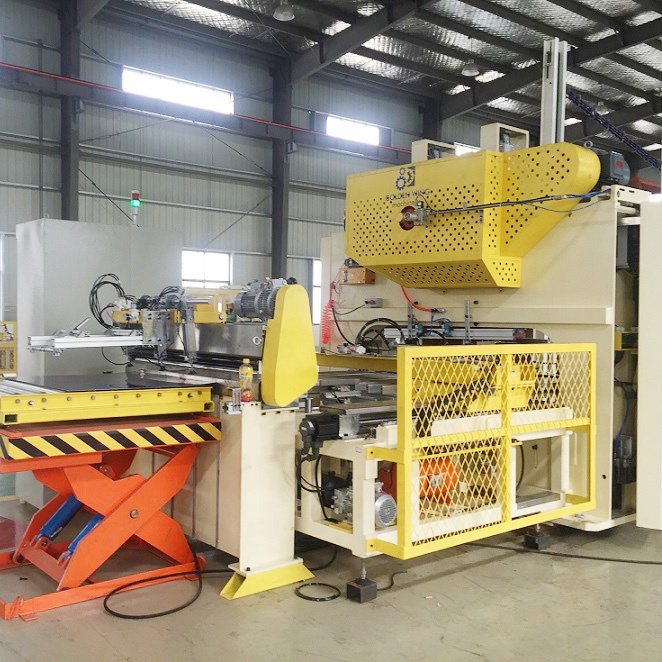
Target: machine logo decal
[(405, 178)]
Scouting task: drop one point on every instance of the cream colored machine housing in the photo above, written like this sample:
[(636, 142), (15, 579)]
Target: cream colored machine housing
[(240, 498), (570, 290)]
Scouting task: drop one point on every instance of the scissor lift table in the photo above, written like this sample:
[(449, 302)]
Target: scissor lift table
[(80, 444)]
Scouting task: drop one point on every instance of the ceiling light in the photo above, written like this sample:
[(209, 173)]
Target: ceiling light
[(489, 76), (470, 69), (572, 120), (653, 148), (601, 108), (284, 11)]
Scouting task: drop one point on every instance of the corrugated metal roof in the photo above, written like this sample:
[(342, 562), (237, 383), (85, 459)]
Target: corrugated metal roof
[(503, 36)]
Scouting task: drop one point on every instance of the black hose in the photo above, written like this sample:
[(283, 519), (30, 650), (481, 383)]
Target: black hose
[(335, 319), (380, 320), (197, 573)]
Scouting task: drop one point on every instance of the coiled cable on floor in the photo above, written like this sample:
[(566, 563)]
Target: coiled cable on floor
[(336, 592), (197, 573)]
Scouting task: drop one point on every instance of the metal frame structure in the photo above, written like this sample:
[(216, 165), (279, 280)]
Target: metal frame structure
[(124, 508), (432, 88), (552, 102)]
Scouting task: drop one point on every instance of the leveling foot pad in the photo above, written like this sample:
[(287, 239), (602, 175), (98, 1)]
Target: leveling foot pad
[(244, 583), (537, 539), (361, 590)]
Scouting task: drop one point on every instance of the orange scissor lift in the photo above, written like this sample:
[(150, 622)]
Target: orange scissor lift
[(81, 445)]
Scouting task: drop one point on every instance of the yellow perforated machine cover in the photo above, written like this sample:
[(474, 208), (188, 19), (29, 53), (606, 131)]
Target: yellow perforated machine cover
[(466, 248)]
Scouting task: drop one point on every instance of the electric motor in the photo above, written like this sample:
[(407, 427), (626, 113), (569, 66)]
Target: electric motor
[(343, 502), (386, 509), (259, 301)]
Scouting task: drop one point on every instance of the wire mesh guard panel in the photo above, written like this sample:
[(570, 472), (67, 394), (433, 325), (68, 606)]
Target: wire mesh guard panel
[(460, 410)]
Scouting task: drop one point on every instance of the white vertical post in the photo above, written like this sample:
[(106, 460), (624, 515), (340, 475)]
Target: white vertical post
[(554, 70), (649, 386)]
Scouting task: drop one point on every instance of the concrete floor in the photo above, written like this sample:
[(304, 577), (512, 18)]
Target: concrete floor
[(464, 604)]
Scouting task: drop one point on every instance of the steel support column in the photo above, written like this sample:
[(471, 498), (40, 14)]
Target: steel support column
[(69, 106), (431, 120), (280, 173)]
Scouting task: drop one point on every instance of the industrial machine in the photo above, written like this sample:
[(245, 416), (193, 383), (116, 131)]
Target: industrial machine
[(480, 352), (199, 328), (119, 449), (477, 374)]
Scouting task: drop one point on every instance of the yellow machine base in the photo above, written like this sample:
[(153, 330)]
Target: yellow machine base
[(242, 584)]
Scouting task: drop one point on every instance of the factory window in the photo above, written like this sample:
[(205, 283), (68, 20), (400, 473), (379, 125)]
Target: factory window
[(177, 90), (206, 269), (317, 291), (461, 148), (340, 127)]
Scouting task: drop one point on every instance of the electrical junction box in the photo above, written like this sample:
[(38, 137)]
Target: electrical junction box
[(357, 276), (374, 302)]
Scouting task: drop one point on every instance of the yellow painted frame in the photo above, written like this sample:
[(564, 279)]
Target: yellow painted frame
[(409, 450), (289, 364), (89, 405)]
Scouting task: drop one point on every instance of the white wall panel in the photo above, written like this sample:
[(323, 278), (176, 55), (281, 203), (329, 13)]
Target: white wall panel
[(299, 269), (305, 237), (198, 227), (462, 130), (246, 268), (317, 206), (328, 168), (19, 114), (20, 166), (135, 133), (22, 204), (9, 270), (29, 20)]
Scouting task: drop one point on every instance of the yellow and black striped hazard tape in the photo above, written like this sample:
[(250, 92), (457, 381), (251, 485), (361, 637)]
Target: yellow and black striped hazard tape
[(69, 443)]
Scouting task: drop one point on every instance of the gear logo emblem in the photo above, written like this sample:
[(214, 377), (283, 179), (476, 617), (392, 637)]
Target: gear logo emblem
[(406, 178)]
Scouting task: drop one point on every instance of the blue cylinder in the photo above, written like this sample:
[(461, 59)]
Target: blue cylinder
[(60, 518), (96, 519)]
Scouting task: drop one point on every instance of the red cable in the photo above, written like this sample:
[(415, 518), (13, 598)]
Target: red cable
[(415, 305)]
